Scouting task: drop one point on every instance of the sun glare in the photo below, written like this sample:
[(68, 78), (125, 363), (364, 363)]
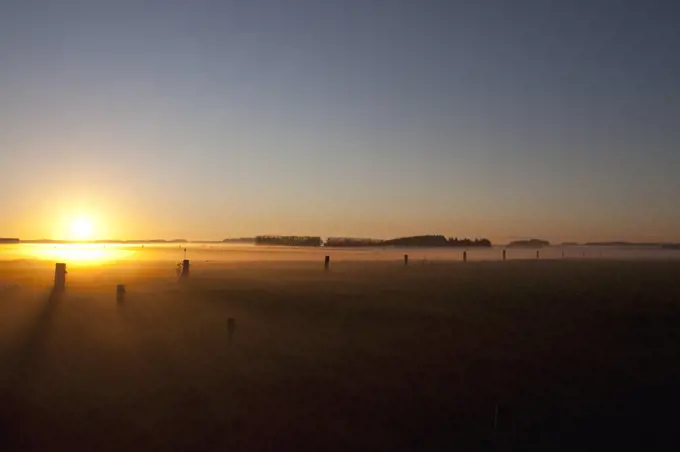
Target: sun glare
[(81, 229), (80, 253)]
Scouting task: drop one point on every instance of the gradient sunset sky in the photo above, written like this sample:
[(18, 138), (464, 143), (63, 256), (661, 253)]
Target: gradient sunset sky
[(213, 119)]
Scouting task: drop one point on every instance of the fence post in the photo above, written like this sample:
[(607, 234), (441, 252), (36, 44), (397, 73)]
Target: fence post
[(494, 431), (120, 293), (60, 277), (327, 262)]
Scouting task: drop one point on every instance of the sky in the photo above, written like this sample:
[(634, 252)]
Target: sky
[(214, 119)]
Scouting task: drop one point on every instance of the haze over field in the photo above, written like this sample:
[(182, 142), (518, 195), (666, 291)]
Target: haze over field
[(210, 255)]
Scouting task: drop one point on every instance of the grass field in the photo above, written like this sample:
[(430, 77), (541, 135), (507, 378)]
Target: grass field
[(575, 355)]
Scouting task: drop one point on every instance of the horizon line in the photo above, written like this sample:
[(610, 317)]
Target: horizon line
[(14, 240)]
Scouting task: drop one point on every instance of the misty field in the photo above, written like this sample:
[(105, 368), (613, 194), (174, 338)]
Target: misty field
[(370, 355)]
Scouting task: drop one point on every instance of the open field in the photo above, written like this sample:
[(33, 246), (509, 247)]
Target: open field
[(371, 355), (216, 252)]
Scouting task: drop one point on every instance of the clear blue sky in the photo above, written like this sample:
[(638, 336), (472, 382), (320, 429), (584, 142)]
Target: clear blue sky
[(210, 119)]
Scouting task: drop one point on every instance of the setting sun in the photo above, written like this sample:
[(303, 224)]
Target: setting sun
[(82, 229)]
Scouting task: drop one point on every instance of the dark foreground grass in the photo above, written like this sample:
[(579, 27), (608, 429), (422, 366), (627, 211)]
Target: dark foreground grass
[(367, 356)]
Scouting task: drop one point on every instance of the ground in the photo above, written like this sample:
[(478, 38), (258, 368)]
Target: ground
[(571, 355)]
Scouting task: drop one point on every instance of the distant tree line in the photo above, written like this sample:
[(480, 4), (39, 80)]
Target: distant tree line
[(287, 240), (532, 243), (469, 243), (340, 242), (352, 242), (437, 241)]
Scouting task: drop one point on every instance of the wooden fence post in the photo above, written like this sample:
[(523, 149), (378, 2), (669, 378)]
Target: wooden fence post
[(60, 277), (120, 293)]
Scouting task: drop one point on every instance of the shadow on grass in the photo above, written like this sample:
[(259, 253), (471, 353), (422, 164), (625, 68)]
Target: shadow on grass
[(24, 365)]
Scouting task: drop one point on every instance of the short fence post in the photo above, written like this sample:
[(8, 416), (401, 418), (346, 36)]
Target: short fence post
[(494, 431), (120, 293), (405, 259), (464, 256), (327, 262), (60, 277), (504, 254), (185, 268)]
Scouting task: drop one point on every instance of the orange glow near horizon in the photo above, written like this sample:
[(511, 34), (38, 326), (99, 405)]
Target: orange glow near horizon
[(81, 223), (79, 253)]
